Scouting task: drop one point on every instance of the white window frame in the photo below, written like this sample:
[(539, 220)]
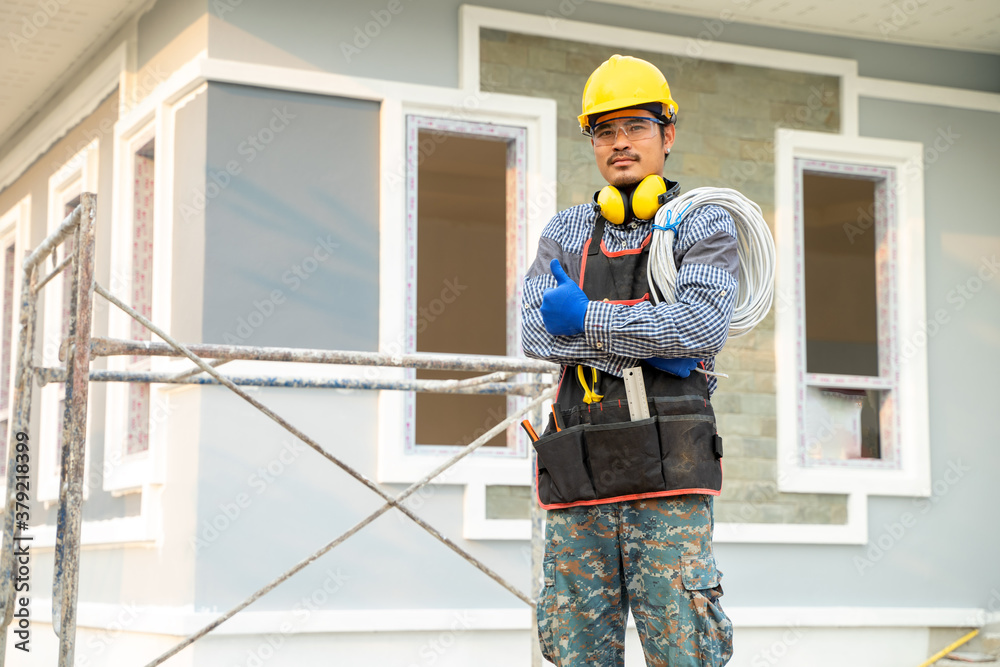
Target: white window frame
[(515, 139), (123, 472), (14, 224), (78, 175), (400, 459), (897, 167)]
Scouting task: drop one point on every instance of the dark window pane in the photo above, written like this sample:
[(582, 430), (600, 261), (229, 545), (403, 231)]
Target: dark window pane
[(461, 277), (840, 286)]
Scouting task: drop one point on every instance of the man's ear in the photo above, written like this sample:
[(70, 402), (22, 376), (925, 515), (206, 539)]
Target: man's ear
[(669, 133)]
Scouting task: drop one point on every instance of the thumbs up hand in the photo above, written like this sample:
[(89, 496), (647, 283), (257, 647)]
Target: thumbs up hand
[(565, 306)]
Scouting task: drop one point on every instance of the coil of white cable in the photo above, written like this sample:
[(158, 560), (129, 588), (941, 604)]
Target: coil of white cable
[(755, 290)]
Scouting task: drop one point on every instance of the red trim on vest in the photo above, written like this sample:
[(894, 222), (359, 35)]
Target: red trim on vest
[(631, 302), (616, 499), (583, 260), (583, 268), (619, 253), (561, 377)]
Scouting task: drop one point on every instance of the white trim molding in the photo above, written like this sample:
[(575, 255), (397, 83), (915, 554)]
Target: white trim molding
[(903, 363), (181, 621), (531, 118), (854, 531), (920, 93), (153, 119), (399, 454), (473, 18), (857, 617), (15, 225), (79, 174), (122, 471), (475, 525), (142, 530), (515, 251)]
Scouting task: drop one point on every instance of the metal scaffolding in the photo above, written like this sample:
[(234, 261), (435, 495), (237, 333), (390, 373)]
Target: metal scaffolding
[(501, 377)]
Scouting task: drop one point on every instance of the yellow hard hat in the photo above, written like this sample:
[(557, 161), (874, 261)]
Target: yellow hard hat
[(621, 82)]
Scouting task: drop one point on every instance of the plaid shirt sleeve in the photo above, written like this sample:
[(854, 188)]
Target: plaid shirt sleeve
[(616, 336), (562, 239)]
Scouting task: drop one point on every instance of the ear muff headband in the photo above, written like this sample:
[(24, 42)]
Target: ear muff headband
[(642, 203)]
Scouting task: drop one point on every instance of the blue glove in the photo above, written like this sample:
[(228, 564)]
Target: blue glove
[(565, 306), (679, 367)]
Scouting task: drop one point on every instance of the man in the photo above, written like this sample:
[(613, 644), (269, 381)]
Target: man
[(630, 499)]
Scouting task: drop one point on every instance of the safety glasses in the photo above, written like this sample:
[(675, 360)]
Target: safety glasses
[(635, 128)]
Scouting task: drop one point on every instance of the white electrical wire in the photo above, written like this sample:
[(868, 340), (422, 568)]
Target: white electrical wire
[(755, 289)]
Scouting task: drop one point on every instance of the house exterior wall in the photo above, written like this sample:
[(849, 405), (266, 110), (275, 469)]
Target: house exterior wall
[(963, 311), (907, 540), (117, 575), (232, 467), (34, 183), (168, 35), (300, 219), (329, 39)]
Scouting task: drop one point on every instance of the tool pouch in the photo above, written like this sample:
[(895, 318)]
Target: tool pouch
[(602, 456)]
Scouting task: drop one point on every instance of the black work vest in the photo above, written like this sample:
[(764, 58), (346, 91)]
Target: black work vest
[(600, 455)]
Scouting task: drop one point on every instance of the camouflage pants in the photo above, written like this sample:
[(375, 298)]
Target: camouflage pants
[(653, 556)]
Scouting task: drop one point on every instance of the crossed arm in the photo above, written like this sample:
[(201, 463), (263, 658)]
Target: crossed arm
[(615, 336)]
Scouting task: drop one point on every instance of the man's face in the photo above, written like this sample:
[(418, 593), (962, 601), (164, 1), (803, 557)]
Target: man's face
[(626, 162)]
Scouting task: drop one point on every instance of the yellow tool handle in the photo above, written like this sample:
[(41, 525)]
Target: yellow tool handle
[(948, 649), (590, 394)]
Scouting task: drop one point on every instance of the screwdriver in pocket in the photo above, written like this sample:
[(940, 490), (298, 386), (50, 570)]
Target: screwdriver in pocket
[(529, 430)]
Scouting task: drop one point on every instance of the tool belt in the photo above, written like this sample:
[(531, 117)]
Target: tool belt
[(601, 455)]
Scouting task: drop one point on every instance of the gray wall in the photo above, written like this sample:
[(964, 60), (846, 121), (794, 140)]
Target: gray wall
[(277, 502), (291, 220), (316, 33), (163, 22), (948, 555), (947, 558), (315, 179)]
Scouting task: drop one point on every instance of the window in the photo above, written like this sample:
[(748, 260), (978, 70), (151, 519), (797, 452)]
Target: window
[(7, 325), (461, 297), (65, 313), (456, 233), (843, 211), (12, 227), (460, 271), (130, 452), (78, 175), (142, 298), (851, 384)]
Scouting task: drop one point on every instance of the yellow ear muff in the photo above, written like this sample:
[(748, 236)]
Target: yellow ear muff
[(645, 197), (612, 205), (643, 203)]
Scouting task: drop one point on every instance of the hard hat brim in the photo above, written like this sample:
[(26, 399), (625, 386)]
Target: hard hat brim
[(618, 105)]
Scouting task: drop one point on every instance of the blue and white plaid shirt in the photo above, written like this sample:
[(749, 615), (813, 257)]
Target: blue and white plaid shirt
[(616, 336)]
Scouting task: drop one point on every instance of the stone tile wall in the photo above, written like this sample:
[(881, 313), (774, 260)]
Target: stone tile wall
[(725, 138)]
